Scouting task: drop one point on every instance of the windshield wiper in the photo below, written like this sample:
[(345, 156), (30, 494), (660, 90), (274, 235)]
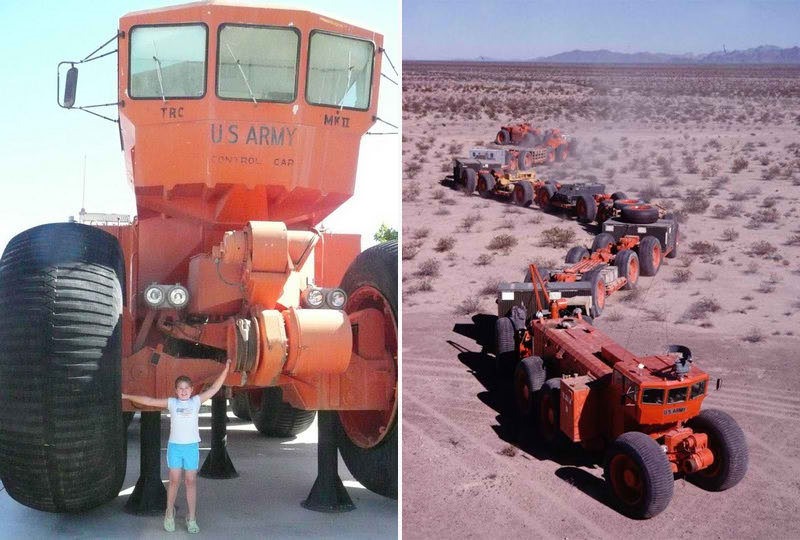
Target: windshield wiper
[(246, 82), (160, 75)]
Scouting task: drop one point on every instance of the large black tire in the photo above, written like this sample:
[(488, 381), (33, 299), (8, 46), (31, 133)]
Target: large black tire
[(640, 214), (595, 277), (529, 377), (469, 181), (638, 458), (586, 208), (575, 254), (548, 412), (503, 137), (524, 160), (485, 185), (619, 204), (546, 193), (522, 194), (274, 417), (602, 240), (650, 255), (62, 437), (618, 195), (505, 345), (729, 446), (627, 263), (376, 466), (239, 405)]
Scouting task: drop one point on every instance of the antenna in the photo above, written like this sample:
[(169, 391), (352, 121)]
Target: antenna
[(83, 196)]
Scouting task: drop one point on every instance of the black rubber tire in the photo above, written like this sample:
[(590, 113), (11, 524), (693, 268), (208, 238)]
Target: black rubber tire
[(648, 261), (503, 137), (652, 468), (595, 277), (619, 204), (547, 192), (618, 195), (376, 467), (575, 254), (625, 261), (550, 395), (524, 160), (675, 239), (457, 174), (469, 181), (729, 445), (239, 405), (551, 155), (588, 203), (274, 417), (640, 214), (602, 240), (487, 183), (529, 376), (62, 435), (522, 194), (505, 346)]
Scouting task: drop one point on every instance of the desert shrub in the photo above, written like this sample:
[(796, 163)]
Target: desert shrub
[(701, 308), (690, 164), (613, 315), (765, 287), (410, 251), (425, 285), (483, 259), (421, 233), (753, 335), (445, 244), (767, 215), (709, 172), (793, 240), (506, 224), (469, 220), (428, 268), (557, 237), (771, 173), (762, 248), (468, 306), (769, 202), (695, 201), (634, 295), (701, 247), (739, 164), (719, 212), (649, 192), (610, 172), (410, 191), (502, 242), (442, 211), (448, 201), (708, 276), (681, 275), (437, 194), (491, 288)]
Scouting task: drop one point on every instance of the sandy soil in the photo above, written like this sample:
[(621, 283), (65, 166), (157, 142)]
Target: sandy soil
[(667, 135)]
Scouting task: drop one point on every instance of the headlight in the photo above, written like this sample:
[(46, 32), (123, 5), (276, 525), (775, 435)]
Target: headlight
[(337, 298), (154, 296), (178, 296), (315, 298)]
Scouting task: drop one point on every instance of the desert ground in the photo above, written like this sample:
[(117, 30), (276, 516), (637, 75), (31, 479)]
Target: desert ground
[(718, 146)]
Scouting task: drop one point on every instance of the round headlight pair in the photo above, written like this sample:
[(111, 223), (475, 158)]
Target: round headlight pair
[(176, 296), (322, 298)]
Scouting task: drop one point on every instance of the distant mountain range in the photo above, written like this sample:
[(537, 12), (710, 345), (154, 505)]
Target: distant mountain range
[(764, 54)]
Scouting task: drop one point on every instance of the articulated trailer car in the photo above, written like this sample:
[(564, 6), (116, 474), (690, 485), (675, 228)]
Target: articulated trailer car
[(556, 145), (240, 129), (577, 385)]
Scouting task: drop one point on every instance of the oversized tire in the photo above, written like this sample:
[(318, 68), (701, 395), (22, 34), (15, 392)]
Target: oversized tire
[(575, 254), (544, 195), (457, 173), (675, 239), (586, 208), (522, 194), (368, 439), (641, 214), (485, 185), (619, 204), (503, 137), (505, 345), (550, 155), (727, 442), (618, 195), (469, 181), (240, 406), (650, 255), (524, 160), (638, 475), (529, 376), (602, 241), (62, 436), (627, 263), (598, 291), (274, 417), (548, 412)]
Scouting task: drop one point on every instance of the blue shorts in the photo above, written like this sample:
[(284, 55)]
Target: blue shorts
[(183, 456)]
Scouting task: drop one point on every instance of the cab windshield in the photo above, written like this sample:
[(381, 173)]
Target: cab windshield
[(168, 61), (339, 71)]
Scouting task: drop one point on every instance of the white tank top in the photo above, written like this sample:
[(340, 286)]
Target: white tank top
[(183, 428)]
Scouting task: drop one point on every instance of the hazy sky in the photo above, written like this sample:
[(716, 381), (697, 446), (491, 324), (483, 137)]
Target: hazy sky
[(42, 146), (513, 29)]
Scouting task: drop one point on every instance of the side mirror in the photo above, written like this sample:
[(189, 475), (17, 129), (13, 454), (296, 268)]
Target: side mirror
[(70, 87)]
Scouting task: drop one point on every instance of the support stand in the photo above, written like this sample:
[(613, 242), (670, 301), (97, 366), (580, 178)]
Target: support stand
[(328, 493), (218, 463), (149, 497)]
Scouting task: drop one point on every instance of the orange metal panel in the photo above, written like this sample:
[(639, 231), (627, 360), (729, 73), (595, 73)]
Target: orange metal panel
[(580, 407), (333, 255)]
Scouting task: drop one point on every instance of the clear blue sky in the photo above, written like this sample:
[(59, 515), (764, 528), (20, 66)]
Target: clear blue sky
[(42, 146), (514, 30)]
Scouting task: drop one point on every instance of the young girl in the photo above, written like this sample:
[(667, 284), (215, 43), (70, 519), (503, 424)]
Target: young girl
[(183, 450)]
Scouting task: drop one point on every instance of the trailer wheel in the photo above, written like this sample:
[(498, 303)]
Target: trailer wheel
[(727, 442), (528, 380), (640, 214), (602, 241), (575, 254), (619, 204), (468, 181), (457, 174), (544, 194), (523, 194), (618, 195), (274, 417), (551, 155), (586, 208), (62, 436), (549, 411), (674, 251), (524, 160), (485, 185), (650, 255), (368, 439), (638, 475), (627, 263), (561, 153), (598, 291), (505, 345), (503, 137), (240, 406)]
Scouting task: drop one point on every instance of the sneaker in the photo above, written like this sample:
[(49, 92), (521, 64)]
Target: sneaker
[(169, 524), (191, 526)]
